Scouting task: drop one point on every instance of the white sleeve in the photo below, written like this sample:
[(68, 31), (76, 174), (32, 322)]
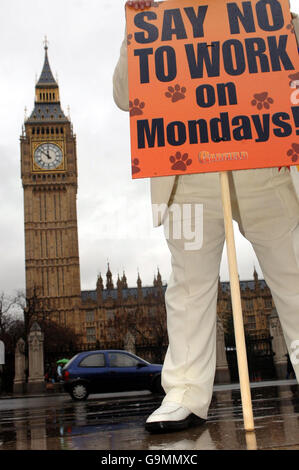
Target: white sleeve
[(120, 79), (295, 21)]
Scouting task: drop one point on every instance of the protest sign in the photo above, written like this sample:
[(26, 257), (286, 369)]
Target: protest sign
[(213, 86)]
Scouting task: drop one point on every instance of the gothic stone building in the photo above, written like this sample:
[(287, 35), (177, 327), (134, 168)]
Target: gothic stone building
[(109, 316), (49, 177), (112, 310)]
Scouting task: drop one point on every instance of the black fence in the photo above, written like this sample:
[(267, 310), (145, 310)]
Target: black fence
[(259, 356), (151, 353)]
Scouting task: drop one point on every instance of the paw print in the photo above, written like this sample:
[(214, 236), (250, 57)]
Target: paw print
[(294, 152), (262, 100), (294, 78), (176, 93), (129, 38), (180, 162), (291, 28), (287, 167), (136, 107), (135, 167)]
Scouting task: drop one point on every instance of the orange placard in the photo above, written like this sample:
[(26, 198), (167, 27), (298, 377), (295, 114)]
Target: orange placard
[(213, 86)]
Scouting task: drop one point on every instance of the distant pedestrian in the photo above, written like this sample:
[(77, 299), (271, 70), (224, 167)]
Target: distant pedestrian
[(59, 372)]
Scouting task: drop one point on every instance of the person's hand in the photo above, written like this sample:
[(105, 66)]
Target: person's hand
[(140, 4)]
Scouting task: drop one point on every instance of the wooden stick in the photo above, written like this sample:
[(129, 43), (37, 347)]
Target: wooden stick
[(236, 305)]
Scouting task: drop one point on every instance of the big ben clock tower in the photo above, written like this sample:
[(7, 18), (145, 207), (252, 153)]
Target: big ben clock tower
[(49, 177)]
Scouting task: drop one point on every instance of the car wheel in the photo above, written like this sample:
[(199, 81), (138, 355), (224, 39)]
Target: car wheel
[(79, 392), (157, 387)]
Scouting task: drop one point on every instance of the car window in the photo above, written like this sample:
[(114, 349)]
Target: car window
[(71, 361), (121, 360), (93, 360)]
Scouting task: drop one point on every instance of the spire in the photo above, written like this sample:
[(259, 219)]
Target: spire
[(109, 282), (47, 101), (119, 283), (100, 282), (139, 289), (100, 289), (46, 78), (159, 279), (139, 283), (124, 281), (219, 287), (256, 280), (119, 288)]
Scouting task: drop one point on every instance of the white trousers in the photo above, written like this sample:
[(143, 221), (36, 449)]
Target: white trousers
[(267, 211)]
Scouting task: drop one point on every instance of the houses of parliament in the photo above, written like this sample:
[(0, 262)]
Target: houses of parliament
[(113, 314)]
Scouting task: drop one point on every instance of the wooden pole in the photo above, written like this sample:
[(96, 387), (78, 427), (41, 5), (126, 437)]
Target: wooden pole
[(236, 305)]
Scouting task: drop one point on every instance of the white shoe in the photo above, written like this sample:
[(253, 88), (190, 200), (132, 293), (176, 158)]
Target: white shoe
[(171, 416)]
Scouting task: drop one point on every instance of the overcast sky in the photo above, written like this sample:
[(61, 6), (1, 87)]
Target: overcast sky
[(114, 213)]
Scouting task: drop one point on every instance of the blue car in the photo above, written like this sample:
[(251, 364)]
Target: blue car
[(109, 371)]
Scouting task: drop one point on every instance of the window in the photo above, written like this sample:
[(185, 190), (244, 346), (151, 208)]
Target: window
[(110, 315), (251, 324), (91, 335), (152, 312), (93, 360), (268, 303), (111, 332), (121, 360), (89, 316)]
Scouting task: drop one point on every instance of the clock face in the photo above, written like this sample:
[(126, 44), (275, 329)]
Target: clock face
[(48, 156)]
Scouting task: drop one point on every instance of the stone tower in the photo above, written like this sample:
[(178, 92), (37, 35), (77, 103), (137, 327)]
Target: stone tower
[(49, 178)]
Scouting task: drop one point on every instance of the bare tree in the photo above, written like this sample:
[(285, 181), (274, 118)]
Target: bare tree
[(147, 326), (34, 308), (6, 304)]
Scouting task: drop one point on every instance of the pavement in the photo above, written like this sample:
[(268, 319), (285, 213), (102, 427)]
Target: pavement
[(52, 421)]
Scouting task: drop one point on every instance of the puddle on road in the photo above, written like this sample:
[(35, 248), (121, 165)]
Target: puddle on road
[(119, 425)]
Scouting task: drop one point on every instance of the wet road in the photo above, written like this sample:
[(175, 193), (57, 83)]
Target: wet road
[(116, 422)]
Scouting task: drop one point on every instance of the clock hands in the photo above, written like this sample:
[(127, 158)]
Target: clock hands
[(47, 154)]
